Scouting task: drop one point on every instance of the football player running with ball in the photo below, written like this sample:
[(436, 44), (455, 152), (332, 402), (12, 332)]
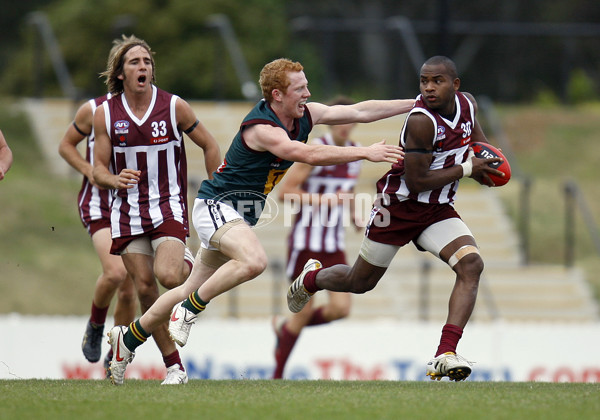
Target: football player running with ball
[(414, 203)]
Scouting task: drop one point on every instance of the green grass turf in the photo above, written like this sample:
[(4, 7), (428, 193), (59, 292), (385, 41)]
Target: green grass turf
[(267, 399)]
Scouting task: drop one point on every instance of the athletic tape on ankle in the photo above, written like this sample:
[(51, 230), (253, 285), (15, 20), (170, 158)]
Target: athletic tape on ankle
[(460, 253)]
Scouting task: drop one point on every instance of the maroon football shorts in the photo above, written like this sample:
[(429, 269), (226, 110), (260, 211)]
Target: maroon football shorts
[(167, 228), (402, 222)]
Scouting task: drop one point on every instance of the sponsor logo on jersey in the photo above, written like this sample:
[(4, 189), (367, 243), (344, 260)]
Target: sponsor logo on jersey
[(159, 140), (222, 166), (276, 163)]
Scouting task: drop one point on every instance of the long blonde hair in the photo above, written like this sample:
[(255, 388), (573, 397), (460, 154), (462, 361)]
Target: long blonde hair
[(116, 61)]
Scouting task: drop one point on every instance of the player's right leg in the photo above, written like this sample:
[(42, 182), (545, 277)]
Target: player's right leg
[(371, 264), (124, 313), (113, 275)]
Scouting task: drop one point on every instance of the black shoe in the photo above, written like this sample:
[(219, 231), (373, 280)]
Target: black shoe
[(92, 342), (107, 360)]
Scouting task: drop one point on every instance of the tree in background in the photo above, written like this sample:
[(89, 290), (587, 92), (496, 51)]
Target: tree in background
[(508, 66), (193, 59)]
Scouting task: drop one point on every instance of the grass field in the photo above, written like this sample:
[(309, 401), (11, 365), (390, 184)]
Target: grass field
[(328, 400)]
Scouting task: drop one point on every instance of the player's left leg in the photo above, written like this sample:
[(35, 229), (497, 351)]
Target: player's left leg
[(287, 331), (468, 271), (452, 241), (239, 257), (139, 264)]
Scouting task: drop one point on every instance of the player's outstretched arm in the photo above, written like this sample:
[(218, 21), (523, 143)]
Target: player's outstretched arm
[(360, 112), (262, 137)]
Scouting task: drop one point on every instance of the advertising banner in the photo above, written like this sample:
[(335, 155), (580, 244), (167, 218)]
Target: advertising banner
[(50, 347)]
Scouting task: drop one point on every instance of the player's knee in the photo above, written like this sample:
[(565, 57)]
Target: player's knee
[(255, 265), (474, 264), (469, 268), (115, 276), (126, 296), (171, 280), (147, 293)]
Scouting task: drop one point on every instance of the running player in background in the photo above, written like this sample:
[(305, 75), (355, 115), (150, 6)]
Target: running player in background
[(139, 131), (415, 204), (325, 194), (271, 137)]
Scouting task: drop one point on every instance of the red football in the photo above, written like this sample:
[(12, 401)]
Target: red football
[(487, 151)]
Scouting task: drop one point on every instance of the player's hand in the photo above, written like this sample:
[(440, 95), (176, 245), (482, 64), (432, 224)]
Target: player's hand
[(127, 179), (482, 170), (381, 152)]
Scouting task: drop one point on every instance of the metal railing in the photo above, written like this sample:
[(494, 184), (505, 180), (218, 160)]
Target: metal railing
[(222, 24), (575, 200), (46, 38)]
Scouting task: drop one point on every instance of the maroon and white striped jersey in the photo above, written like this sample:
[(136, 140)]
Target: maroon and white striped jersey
[(450, 147), (320, 228), (93, 202), (154, 146)]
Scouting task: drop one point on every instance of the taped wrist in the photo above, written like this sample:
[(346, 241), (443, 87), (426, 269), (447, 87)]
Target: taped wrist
[(467, 165), (467, 168)]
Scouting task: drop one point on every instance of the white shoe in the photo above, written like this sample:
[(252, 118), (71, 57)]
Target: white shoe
[(449, 364), (297, 296), (175, 376), (121, 354), (180, 323)]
